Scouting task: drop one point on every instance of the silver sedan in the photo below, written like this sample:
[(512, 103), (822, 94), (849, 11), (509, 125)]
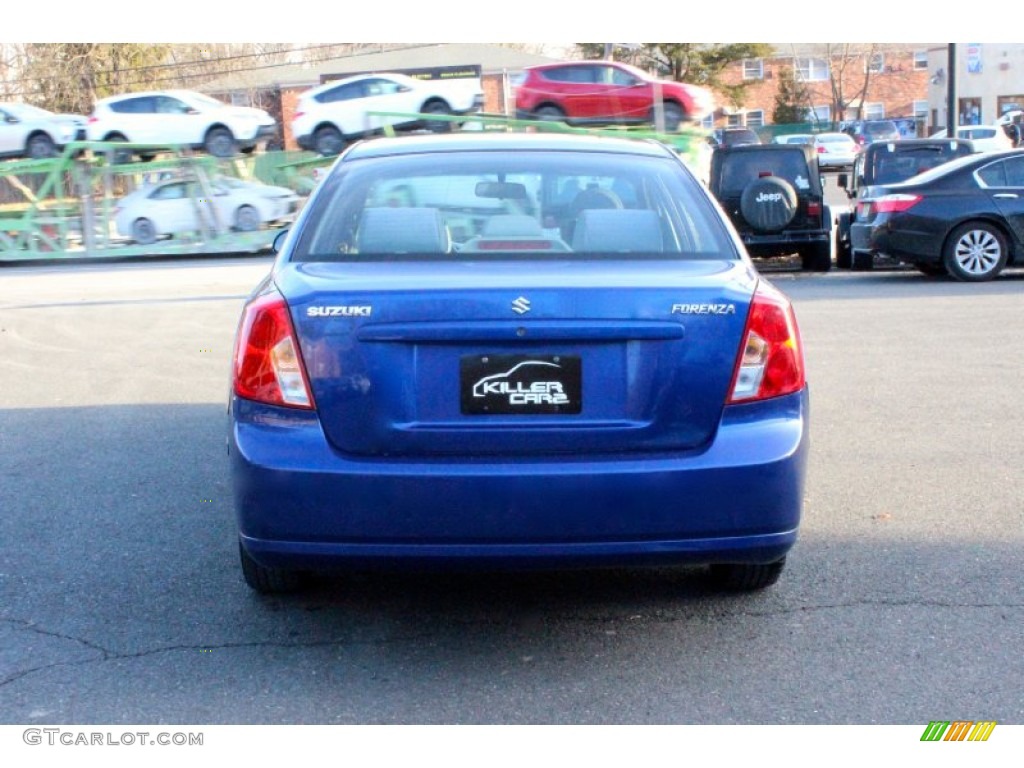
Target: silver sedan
[(835, 150)]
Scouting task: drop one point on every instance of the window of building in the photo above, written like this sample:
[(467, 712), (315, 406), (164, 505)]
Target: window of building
[(920, 108), (753, 69), (755, 118), (820, 115), (874, 110), (734, 121), (810, 69), (708, 122), (920, 59), (876, 63)]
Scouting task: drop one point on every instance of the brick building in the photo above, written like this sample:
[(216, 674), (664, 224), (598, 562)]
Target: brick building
[(895, 75)]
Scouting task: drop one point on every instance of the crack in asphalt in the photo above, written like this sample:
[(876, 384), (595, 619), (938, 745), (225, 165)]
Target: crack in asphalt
[(107, 654)]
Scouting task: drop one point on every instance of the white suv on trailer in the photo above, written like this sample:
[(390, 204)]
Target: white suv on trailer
[(331, 115), (186, 118)]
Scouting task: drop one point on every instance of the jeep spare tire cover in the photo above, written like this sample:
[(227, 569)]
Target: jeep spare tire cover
[(768, 204)]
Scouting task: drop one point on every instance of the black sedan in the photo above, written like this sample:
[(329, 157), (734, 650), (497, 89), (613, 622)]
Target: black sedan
[(964, 218)]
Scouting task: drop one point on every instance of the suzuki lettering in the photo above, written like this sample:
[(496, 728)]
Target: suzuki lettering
[(356, 311)]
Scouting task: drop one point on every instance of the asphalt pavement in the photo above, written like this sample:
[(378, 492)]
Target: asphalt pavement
[(121, 599)]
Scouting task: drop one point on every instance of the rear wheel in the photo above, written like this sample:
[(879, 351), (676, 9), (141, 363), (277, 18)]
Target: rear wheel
[(119, 156), (220, 142), (144, 232), (39, 146), (862, 261), (437, 107), (975, 251), (550, 113), (328, 141), (673, 116), (247, 219), (746, 577), (817, 257), (269, 581)]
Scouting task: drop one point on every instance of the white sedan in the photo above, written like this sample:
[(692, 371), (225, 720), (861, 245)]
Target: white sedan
[(985, 138), (835, 150), (179, 206)]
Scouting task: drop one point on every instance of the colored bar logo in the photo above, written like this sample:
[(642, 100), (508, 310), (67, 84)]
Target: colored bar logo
[(958, 730)]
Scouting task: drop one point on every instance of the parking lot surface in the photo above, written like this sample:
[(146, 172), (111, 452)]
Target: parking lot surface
[(121, 599)]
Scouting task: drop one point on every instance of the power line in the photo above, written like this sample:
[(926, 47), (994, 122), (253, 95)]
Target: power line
[(180, 65)]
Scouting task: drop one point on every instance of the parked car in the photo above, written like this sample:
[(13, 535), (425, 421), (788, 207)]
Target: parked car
[(27, 131), (884, 162), (606, 92), (515, 350), (794, 138), (773, 195), (985, 138), (181, 205), (866, 131), (180, 118), (733, 137), (835, 150), (962, 218), (331, 115)]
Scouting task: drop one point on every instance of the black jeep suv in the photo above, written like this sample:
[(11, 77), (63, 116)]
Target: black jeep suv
[(773, 195)]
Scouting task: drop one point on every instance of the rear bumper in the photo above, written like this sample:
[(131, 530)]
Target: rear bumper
[(781, 243), (300, 504)]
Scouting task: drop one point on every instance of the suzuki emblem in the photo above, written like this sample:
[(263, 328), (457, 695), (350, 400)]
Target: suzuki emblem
[(521, 305)]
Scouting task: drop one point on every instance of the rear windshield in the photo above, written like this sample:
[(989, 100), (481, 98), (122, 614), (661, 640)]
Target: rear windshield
[(741, 168), (880, 129), (891, 167), (537, 204), (740, 137)]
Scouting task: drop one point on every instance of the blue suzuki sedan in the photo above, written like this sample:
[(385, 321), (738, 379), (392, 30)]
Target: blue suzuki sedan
[(515, 351)]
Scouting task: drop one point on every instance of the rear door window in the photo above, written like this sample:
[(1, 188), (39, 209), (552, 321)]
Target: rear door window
[(740, 168)]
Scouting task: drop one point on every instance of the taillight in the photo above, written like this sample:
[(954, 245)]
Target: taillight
[(93, 119), (813, 208), (297, 115), (771, 362), (268, 363), (895, 203), (821, 149)]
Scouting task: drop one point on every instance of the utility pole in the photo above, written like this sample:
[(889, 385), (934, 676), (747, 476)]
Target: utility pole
[(952, 110)]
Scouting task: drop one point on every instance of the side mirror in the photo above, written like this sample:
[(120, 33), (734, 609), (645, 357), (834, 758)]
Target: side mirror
[(279, 241), (191, 111), (12, 119)]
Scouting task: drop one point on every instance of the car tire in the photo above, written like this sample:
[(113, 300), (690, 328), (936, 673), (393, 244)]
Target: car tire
[(220, 142), (931, 269), (247, 219), (144, 232), (817, 257), (674, 116), (746, 577), (768, 204), (119, 156), (269, 581), (40, 146), (862, 261), (975, 251), (844, 255), (549, 113), (844, 248), (328, 141), (437, 107)]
